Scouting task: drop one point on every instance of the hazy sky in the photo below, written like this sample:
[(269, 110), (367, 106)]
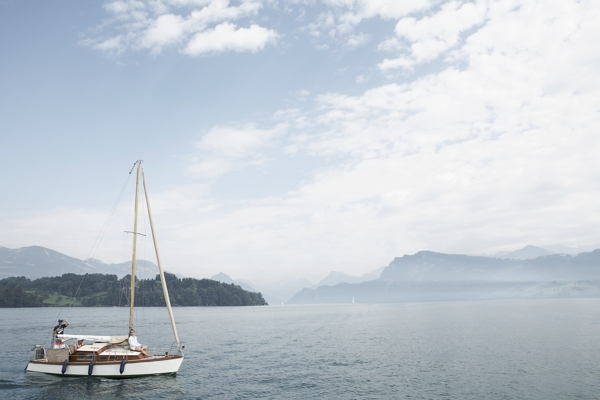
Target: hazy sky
[(287, 139)]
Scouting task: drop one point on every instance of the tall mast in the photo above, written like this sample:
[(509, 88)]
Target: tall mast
[(160, 268), (135, 222)]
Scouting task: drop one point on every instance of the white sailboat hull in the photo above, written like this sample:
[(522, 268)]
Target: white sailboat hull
[(152, 366)]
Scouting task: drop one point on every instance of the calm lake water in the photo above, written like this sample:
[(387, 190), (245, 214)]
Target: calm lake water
[(522, 349)]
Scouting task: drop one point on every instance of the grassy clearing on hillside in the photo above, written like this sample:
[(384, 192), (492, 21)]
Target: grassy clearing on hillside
[(58, 300)]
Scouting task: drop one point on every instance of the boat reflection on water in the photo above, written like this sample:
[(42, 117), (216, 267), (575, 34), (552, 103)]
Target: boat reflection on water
[(57, 387)]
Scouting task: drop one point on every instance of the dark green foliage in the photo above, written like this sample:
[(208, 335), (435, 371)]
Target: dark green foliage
[(194, 292), (18, 298), (93, 290)]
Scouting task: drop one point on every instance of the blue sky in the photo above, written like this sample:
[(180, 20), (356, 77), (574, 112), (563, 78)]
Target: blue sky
[(286, 139)]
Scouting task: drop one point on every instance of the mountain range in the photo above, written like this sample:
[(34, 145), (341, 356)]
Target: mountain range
[(336, 277), (529, 251), (430, 276), (281, 292), (529, 272), (36, 262)]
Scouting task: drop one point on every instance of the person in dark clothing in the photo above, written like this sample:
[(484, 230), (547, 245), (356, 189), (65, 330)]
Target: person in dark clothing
[(59, 330)]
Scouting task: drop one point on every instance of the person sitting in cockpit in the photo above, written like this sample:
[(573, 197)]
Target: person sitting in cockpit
[(135, 345)]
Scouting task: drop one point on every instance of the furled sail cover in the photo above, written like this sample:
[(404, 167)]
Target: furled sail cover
[(118, 340), (87, 337)]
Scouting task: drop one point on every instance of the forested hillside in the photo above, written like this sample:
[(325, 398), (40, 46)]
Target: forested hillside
[(92, 290)]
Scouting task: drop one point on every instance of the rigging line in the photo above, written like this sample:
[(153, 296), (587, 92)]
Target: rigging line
[(126, 249), (97, 242), (125, 245)]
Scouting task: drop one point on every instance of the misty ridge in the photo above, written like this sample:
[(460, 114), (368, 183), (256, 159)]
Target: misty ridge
[(431, 276), (531, 272), (281, 292)]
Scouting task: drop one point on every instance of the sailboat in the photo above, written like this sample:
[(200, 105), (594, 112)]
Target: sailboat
[(110, 356)]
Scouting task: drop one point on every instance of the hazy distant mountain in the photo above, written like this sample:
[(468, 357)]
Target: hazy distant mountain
[(222, 277), (562, 249), (246, 285), (284, 289), (551, 249), (36, 262), (375, 274), (431, 266), (336, 277), (527, 252), (429, 276), (277, 293)]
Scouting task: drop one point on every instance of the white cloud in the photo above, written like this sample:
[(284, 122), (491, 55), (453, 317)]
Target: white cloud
[(225, 37), (499, 153), (224, 149), (431, 36), (113, 44), (195, 27), (386, 9), (166, 29), (123, 7), (496, 149), (116, 7), (220, 10), (338, 22), (391, 44), (357, 40), (236, 142), (361, 79), (400, 62), (353, 11), (210, 168)]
